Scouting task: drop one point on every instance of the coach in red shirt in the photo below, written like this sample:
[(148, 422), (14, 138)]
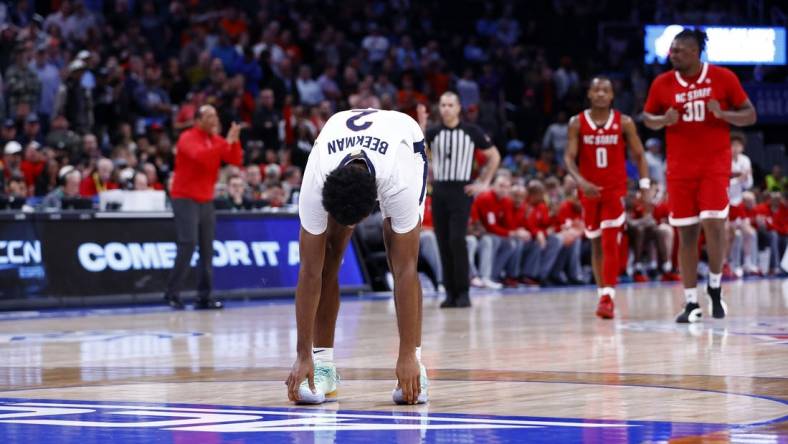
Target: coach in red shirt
[(200, 153)]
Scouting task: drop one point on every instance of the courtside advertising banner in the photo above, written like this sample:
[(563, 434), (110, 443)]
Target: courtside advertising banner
[(126, 255)]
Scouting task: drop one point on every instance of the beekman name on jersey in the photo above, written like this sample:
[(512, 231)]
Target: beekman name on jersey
[(366, 142), (600, 139)]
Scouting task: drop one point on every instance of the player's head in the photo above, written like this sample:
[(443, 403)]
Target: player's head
[(449, 106), (738, 142), (686, 48), (600, 92), (349, 193)]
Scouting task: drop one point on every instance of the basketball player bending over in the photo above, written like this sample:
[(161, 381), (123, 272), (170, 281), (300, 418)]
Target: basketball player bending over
[(696, 103), (360, 156), (598, 136)]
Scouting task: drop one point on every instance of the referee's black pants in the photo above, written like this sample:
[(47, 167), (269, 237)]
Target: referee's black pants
[(195, 223), (451, 208)]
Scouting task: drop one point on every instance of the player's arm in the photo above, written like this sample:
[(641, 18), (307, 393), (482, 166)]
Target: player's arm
[(403, 251), (658, 121), (312, 249), (636, 151), (570, 158), (744, 115), (653, 117)]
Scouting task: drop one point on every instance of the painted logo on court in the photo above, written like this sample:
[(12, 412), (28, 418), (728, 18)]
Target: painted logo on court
[(91, 336), (85, 422)]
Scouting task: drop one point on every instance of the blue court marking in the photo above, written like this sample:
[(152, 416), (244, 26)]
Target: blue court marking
[(87, 422)]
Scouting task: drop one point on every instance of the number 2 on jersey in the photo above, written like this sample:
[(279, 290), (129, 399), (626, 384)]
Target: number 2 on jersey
[(351, 122), (694, 111), (601, 157)]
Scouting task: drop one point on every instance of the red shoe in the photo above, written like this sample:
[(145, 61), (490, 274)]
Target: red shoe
[(511, 283), (530, 282), (640, 277), (670, 277), (727, 273), (606, 307)]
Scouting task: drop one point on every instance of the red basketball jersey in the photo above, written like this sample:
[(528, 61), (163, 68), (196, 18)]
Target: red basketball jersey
[(602, 156), (698, 143)]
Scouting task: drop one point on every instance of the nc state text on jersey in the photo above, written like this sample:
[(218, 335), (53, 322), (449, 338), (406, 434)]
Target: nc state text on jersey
[(366, 142), (699, 93), (600, 139)]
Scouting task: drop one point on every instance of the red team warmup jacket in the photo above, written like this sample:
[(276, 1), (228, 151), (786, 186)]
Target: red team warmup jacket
[(494, 214), (197, 163)]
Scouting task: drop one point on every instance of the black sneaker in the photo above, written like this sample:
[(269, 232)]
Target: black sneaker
[(174, 302), (718, 307), (208, 304), (448, 303), (463, 301), (691, 314)]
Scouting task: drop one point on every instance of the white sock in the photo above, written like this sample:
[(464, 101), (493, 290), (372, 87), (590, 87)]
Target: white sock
[(691, 295), (610, 291), (323, 354), (599, 292), (666, 267), (418, 354), (715, 279)]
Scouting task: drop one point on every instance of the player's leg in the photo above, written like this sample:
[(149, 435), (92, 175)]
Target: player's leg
[(596, 259), (326, 377), (338, 237), (612, 217), (684, 215), (714, 210), (591, 217)]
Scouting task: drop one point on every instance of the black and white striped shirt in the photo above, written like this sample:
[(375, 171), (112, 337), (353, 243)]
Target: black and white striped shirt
[(453, 150)]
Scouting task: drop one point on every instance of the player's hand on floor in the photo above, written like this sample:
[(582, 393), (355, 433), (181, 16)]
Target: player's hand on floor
[(303, 368), (408, 372)]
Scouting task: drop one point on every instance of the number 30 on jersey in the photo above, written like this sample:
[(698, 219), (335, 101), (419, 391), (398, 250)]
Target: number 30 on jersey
[(694, 111)]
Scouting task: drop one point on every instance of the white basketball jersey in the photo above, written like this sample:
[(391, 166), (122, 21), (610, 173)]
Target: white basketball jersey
[(390, 142)]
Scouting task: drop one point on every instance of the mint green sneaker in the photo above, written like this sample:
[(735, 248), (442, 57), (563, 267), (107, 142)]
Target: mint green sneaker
[(424, 382), (326, 383)]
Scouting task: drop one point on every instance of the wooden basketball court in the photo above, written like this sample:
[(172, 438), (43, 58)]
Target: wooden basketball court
[(520, 366)]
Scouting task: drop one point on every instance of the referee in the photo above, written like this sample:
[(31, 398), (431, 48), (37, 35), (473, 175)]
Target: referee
[(201, 151), (453, 144)]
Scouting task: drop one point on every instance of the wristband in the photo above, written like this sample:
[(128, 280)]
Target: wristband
[(645, 183)]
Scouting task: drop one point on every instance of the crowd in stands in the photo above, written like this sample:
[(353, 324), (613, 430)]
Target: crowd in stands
[(96, 92)]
